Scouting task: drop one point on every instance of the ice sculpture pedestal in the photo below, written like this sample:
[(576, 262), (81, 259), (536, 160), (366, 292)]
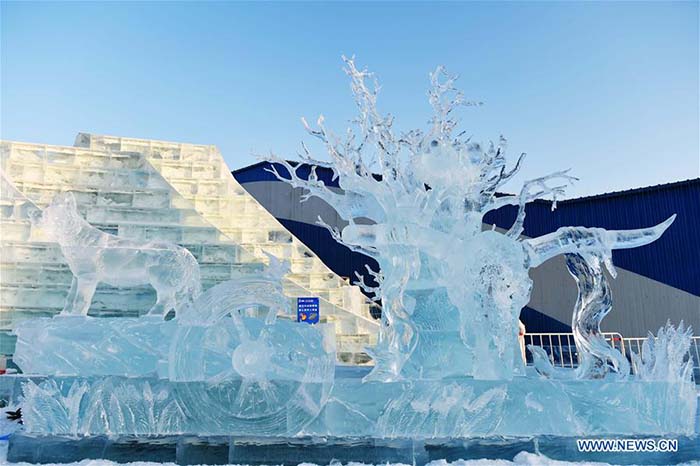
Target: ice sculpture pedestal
[(134, 347), (148, 376), (421, 410), (523, 407)]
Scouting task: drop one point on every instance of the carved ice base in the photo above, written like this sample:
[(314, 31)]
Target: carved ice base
[(457, 408)]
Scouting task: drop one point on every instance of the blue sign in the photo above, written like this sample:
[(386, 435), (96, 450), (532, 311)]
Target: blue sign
[(307, 310)]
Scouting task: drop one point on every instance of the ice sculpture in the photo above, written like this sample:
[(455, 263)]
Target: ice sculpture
[(426, 209), (665, 357), (232, 371), (98, 257), (595, 356), (261, 375), (448, 362)]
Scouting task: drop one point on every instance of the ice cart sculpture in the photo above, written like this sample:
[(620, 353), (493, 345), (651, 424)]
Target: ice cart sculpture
[(447, 364)]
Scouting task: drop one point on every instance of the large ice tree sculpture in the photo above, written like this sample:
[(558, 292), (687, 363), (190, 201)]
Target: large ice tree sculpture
[(426, 193)]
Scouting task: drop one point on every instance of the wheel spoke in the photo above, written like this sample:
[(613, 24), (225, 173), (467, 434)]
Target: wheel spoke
[(239, 324), (243, 398), (286, 372), (222, 377)]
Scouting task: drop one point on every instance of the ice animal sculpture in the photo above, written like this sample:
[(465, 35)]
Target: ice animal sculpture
[(232, 372), (439, 269), (98, 257), (448, 362)]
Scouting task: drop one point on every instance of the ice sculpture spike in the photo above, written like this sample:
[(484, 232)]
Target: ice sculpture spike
[(98, 257), (573, 240), (427, 207)]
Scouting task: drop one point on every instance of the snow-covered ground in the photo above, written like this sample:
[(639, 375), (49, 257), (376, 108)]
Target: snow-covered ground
[(521, 459)]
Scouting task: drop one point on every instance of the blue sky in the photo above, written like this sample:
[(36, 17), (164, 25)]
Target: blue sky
[(609, 90)]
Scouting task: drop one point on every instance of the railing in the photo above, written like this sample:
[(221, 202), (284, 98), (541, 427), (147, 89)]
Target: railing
[(561, 348)]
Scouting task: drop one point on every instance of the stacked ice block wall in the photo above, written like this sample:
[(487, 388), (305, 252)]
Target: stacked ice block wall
[(152, 189)]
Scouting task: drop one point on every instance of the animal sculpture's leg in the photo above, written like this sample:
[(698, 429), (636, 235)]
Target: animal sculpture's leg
[(84, 290), (165, 291), (164, 303), (70, 299)]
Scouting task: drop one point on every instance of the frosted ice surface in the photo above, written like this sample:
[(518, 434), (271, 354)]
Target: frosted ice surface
[(81, 345)]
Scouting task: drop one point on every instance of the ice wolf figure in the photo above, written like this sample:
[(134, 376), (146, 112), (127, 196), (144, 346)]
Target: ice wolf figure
[(98, 257)]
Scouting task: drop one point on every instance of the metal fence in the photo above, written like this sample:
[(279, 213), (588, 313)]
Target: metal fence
[(561, 348)]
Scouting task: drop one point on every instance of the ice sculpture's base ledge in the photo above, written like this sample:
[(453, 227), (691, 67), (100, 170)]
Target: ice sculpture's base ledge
[(525, 406), (448, 409), (318, 450)]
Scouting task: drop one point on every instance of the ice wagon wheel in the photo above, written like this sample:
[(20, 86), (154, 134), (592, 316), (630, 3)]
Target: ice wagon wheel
[(250, 375)]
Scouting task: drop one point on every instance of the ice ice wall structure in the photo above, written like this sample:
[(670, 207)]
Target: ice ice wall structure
[(448, 288)]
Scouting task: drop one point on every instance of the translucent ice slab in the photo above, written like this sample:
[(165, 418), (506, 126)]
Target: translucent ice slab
[(459, 408), (81, 345)]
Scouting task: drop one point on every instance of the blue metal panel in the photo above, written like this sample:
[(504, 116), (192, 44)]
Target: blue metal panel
[(259, 172), (337, 257), (674, 259), (537, 322)]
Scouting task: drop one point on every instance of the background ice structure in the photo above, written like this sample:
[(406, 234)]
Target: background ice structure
[(447, 365)]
